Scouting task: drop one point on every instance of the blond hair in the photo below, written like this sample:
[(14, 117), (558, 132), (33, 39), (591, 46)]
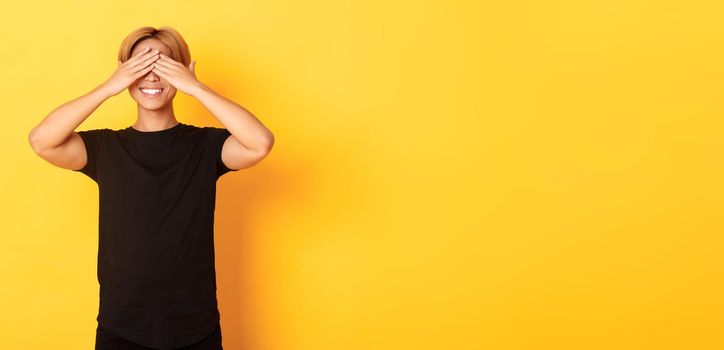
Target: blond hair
[(169, 36)]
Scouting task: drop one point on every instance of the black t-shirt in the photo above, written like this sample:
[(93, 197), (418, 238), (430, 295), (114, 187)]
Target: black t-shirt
[(157, 193)]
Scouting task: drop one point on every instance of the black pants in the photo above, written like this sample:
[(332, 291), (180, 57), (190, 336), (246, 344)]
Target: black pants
[(106, 340)]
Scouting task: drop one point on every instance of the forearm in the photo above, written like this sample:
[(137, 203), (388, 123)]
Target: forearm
[(57, 126), (242, 124)]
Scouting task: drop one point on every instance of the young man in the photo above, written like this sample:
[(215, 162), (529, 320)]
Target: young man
[(157, 190)]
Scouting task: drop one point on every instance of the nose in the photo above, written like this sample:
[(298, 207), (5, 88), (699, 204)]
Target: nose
[(151, 76)]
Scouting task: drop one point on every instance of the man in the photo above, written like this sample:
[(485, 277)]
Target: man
[(157, 190)]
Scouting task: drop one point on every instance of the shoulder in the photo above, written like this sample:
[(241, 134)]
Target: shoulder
[(103, 131), (95, 134), (215, 131)]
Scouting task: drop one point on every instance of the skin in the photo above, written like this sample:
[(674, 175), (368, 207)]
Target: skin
[(55, 140), (153, 113)]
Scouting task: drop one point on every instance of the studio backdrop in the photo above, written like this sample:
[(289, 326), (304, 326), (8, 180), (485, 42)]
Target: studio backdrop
[(445, 174)]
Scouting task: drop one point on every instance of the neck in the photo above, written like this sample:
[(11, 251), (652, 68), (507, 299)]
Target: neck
[(157, 119)]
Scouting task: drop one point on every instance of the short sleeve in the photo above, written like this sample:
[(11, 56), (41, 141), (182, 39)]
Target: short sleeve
[(217, 137), (92, 141)]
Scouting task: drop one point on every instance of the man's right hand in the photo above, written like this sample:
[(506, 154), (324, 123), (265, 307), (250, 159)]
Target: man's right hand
[(127, 72)]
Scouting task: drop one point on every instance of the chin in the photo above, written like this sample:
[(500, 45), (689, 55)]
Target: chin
[(151, 106)]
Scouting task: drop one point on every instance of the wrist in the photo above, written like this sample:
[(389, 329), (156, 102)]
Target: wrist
[(198, 89), (103, 91)]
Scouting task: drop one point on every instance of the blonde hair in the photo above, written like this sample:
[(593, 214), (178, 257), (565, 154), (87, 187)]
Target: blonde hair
[(169, 36)]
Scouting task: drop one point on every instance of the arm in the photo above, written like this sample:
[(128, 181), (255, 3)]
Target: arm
[(54, 139), (249, 142)]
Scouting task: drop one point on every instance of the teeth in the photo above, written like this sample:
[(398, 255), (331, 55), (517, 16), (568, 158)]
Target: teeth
[(151, 91)]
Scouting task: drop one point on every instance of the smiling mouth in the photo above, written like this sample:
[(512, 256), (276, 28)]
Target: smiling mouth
[(151, 92)]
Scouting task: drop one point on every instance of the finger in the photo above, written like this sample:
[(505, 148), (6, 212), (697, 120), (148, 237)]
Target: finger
[(169, 59), (139, 59), (166, 67), (161, 73), (144, 60), (138, 54), (162, 68), (145, 63), (143, 71)]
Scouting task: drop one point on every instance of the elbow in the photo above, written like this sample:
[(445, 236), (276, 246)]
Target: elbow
[(263, 145), (33, 141), (37, 143), (266, 145), (269, 143)]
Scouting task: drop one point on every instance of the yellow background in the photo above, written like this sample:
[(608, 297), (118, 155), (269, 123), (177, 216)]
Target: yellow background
[(446, 175)]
